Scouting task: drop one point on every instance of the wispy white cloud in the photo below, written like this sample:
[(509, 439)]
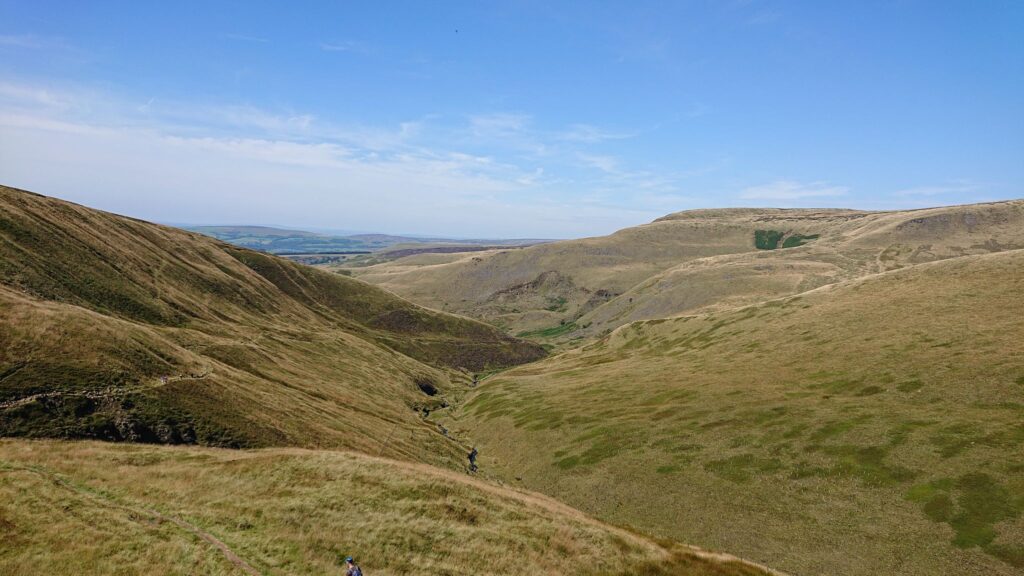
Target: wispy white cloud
[(250, 116), (589, 134), (25, 41), (792, 190), (604, 163), (499, 124), (345, 46), (33, 95), (484, 174)]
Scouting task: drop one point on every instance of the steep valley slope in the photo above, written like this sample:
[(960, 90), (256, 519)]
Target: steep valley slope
[(820, 391), (121, 330), (874, 426), (114, 328)]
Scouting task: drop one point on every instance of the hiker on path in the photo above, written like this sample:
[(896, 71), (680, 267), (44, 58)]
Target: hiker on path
[(353, 568), (472, 459)]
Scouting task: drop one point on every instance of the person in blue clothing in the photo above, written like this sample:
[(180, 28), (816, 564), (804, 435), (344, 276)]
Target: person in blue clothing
[(353, 568)]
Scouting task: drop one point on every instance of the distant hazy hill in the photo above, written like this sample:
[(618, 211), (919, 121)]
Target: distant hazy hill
[(282, 241), (875, 426), (116, 328), (689, 262)]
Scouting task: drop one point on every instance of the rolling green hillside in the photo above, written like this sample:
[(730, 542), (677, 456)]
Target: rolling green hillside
[(875, 426), (86, 508), (119, 329), (699, 260), (820, 391)]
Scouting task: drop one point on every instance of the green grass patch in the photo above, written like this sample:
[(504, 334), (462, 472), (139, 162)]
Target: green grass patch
[(867, 463), (910, 386), (554, 331), (743, 467), (805, 469), (1012, 555), (836, 428), (605, 443), (899, 434), (568, 463), (556, 304), (953, 440), (981, 502), (939, 508), (927, 491)]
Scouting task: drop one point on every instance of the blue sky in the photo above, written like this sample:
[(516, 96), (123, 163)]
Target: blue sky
[(510, 119)]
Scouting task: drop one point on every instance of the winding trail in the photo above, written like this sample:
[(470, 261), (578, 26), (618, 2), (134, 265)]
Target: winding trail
[(184, 525), (101, 394)]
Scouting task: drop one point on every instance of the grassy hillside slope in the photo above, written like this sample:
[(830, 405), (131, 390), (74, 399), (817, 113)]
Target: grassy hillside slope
[(88, 508), (872, 243), (871, 427), (698, 260), (120, 329)]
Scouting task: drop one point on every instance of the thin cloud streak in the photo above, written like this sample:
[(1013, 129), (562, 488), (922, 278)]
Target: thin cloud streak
[(25, 41), (344, 46), (589, 134)]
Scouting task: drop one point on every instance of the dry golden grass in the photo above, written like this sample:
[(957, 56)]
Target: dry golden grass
[(119, 329), (694, 261), (871, 427), (82, 508)]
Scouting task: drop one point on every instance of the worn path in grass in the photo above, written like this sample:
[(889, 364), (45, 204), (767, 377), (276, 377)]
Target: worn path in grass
[(107, 500), (107, 394), (98, 508)]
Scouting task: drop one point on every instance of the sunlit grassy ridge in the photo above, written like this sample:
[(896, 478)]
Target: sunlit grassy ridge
[(119, 329), (693, 261), (871, 427), (87, 508)]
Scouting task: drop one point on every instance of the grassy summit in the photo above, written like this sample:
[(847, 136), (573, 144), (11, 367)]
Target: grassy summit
[(874, 426), (690, 262)]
